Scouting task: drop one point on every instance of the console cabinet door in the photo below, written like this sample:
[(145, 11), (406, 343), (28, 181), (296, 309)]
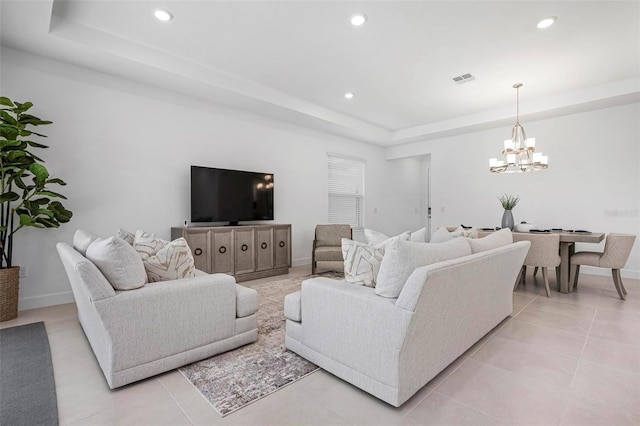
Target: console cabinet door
[(244, 249), (264, 248), (198, 241), (222, 251), (282, 246)]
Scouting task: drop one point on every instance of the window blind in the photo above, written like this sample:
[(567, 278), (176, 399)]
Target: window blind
[(346, 191)]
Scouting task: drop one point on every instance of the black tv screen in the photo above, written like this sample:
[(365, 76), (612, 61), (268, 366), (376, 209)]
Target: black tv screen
[(220, 195)]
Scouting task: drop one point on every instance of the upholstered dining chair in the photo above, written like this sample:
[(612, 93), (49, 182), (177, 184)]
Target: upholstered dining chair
[(543, 254), (327, 244), (617, 248)]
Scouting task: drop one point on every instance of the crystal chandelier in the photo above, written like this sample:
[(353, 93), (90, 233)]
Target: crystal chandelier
[(519, 155)]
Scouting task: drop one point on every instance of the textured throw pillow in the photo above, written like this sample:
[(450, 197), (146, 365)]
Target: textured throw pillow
[(172, 262), (374, 237), (419, 236), (146, 244), (82, 240), (494, 240), (118, 262), (442, 234), (125, 235), (403, 257), (361, 262)]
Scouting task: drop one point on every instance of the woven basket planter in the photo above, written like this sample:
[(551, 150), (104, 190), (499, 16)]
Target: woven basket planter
[(9, 283)]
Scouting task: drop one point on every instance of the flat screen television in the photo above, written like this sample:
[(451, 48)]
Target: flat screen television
[(221, 195)]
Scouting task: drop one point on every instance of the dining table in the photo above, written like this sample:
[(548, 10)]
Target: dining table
[(568, 239)]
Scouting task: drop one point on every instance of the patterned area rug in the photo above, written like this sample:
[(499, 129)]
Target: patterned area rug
[(231, 380)]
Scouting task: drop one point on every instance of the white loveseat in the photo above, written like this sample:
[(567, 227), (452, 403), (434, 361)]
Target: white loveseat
[(391, 347), (139, 333)]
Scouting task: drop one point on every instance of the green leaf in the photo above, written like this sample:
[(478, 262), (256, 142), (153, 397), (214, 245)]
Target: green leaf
[(39, 171), (8, 197), (6, 101), (26, 220), (48, 223), (37, 145), (57, 181), (45, 212), (5, 117), (15, 155), (51, 194), (41, 201)]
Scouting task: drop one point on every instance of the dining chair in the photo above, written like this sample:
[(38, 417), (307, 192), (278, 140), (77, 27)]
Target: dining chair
[(327, 244), (617, 248), (543, 254)]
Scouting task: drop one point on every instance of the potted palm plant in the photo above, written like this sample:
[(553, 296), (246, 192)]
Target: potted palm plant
[(26, 199)]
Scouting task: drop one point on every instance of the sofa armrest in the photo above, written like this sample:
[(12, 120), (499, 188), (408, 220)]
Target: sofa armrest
[(162, 319), (246, 301), (352, 325)]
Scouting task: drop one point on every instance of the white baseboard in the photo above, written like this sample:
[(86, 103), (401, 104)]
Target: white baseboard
[(45, 300), (301, 262)]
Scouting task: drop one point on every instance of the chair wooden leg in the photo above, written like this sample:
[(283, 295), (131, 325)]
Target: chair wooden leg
[(524, 274), (558, 279), (624, 290), (617, 280), (515, 286), (545, 277), (535, 271)]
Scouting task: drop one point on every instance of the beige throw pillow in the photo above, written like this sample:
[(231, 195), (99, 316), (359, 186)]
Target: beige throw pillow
[(118, 262), (494, 240), (403, 257), (146, 244), (361, 262), (172, 262)]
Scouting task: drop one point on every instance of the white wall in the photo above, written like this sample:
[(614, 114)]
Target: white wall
[(125, 148), (593, 180)]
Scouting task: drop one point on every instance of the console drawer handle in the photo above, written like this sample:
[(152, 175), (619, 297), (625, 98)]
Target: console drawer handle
[(197, 251), (244, 247), (281, 244), (222, 249), (263, 246)]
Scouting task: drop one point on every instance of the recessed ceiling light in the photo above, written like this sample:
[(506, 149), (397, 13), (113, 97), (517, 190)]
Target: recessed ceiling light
[(349, 95), (358, 19), (163, 15), (547, 22)]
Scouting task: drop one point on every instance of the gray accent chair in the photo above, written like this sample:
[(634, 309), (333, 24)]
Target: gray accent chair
[(139, 333), (543, 254), (617, 249), (327, 244)]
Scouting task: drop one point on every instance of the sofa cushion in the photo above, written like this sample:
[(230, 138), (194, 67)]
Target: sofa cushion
[(293, 306), (147, 244), (82, 240), (403, 257), (419, 236), (125, 235), (118, 262), (327, 254), (172, 262), (494, 240), (246, 301)]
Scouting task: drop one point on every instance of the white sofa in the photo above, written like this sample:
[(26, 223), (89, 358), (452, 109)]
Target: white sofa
[(392, 347), (139, 333)]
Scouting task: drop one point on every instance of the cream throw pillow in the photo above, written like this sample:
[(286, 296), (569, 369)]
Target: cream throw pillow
[(125, 235), (118, 262), (374, 237), (361, 262), (494, 240), (172, 262), (146, 244), (419, 236), (443, 235), (403, 257)]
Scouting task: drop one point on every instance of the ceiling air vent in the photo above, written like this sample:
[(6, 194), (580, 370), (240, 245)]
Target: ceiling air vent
[(463, 78)]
